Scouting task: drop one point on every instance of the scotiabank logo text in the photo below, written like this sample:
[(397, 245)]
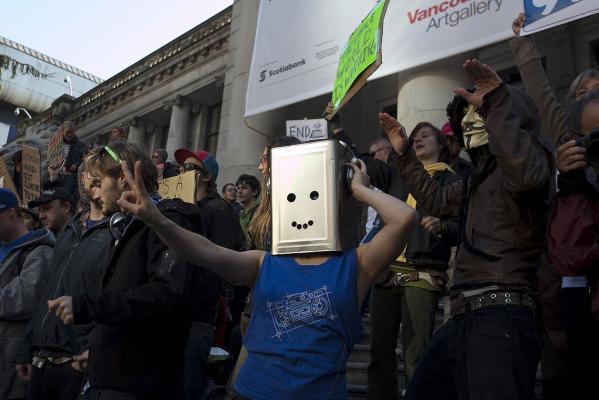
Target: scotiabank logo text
[(269, 73)]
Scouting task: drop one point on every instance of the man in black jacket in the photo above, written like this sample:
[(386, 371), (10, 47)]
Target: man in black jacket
[(55, 353), (63, 172), (141, 314), (221, 225)]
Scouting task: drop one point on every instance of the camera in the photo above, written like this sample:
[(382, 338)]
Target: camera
[(591, 145)]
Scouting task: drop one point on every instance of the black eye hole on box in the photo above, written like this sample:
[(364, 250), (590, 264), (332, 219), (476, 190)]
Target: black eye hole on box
[(291, 197), (314, 195)]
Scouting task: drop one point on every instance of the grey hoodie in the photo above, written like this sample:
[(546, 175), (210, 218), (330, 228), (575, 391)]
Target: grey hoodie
[(19, 295)]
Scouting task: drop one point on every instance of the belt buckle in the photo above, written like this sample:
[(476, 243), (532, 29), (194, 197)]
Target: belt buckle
[(400, 279)]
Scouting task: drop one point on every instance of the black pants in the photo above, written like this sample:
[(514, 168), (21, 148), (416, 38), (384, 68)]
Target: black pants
[(582, 330), (108, 394), (54, 382), (487, 354)]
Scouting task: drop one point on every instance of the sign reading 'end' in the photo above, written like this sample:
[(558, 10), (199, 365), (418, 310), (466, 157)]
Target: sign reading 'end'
[(307, 130)]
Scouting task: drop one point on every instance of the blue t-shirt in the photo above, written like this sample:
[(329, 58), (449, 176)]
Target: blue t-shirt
[(305, 321), (6, 248)]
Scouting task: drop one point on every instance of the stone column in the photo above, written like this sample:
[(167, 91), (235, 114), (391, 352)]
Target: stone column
[(178, 130), (137, 132), (241, 141), (425, 92)]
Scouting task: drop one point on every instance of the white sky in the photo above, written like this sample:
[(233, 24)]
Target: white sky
[(102, 37)]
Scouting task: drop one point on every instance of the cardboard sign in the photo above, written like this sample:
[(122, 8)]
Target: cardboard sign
[(307, 130), (360, 57), (6, 179), (179, 187), (31, 173)]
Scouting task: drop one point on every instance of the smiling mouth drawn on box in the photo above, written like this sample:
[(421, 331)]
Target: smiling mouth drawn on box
[(302, 226)]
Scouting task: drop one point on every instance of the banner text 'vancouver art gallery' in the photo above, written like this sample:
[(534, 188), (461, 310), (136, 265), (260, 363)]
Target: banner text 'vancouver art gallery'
[(298, 42)]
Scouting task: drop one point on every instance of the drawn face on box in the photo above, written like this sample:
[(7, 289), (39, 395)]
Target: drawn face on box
[(312, 207), (303, 197)]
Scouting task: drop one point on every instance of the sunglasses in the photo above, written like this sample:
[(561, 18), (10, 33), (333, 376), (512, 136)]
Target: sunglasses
[(191, 167)]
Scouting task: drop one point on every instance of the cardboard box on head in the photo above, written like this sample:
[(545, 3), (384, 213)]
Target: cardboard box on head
[(313, 209)]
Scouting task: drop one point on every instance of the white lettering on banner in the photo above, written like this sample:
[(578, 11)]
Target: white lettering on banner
[(302, 62), (307, 130)]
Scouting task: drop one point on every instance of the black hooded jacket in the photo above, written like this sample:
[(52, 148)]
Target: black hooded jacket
[(141, 314), (80, 257)]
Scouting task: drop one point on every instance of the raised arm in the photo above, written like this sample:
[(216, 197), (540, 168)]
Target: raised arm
[(537, 85), (238, 267), (389, 242), (442, 201), (509, 118)]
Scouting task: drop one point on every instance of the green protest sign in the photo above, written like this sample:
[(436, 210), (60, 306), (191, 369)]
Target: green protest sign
[(360, 57)]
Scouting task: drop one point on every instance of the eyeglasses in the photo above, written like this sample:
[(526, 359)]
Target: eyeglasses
[(191, 167), (263, 159)]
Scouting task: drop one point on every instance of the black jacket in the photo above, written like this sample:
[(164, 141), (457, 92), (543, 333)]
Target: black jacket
[(428, 250), (76, 151), (221, 226), (80, 257), (142, 317), (170, 170)]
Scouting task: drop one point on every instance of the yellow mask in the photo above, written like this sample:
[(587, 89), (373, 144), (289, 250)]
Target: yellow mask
[(473, 126)]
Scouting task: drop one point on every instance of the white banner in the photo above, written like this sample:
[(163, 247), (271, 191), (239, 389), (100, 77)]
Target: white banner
[(297, 43), (545, 14)]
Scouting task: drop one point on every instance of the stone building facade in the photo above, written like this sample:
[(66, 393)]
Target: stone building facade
[(191, 92)]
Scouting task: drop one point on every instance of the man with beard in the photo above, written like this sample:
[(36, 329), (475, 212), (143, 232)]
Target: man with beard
[(53, 356), (490, 347), (142, 312)]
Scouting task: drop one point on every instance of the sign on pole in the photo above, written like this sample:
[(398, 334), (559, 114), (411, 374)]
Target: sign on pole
[(307, 130), (545, 14), (179, 187), (361, 56), (6, 179), (30, 173)]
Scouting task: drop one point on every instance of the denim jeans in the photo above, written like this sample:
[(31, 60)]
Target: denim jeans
[(487, 354), (197, 351), (390, 307)]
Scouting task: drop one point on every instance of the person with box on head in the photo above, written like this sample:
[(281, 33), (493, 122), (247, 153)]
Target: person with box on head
[(306, 292)]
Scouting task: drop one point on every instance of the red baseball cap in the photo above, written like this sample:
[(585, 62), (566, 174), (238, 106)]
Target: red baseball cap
[(446, 129), (206, 158)]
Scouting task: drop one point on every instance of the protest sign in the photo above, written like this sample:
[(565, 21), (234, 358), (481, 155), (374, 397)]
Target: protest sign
[(307, 130), (6, 179), (545, 14), (30, 173), (360, 57), (179, 187)]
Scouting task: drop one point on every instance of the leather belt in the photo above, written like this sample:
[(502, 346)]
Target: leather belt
[(462, 306), (40, 361)]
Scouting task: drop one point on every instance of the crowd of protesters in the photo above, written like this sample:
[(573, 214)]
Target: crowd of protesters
[(109, 292)]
